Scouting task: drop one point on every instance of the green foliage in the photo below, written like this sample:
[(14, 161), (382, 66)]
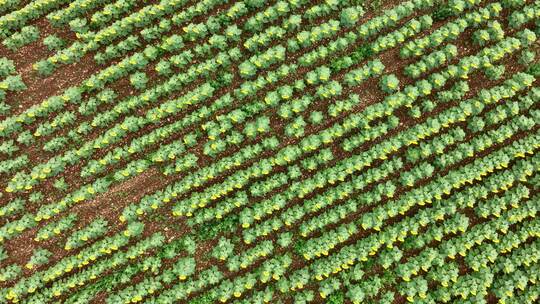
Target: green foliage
[(12, 83), (223, 249), (79, 25), (25, 138), (495, 72), (61, 184), (336, 298), (389, 83), (442, 13), (3, 253), (296, 128), (26, 35), (8, 147), (372, 204), (138, 80), (93, 230), (163, 67), (350, 16), (36, 197), (476, 124), (10, 272), (38, 258), (6, 67), (44, 67), (285, 239), (212, 229), (54, 43), (261, 125), (527, 57), (362, 52), (55, 144), (316, 117), (534, 69), (371, 69)]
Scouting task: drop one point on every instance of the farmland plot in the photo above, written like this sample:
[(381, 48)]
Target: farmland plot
[(262, 151)]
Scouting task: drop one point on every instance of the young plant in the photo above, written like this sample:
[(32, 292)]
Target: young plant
[(389, 83), (54, 43), (316, 117), (39, 257), (138, 80), (223, 249)]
